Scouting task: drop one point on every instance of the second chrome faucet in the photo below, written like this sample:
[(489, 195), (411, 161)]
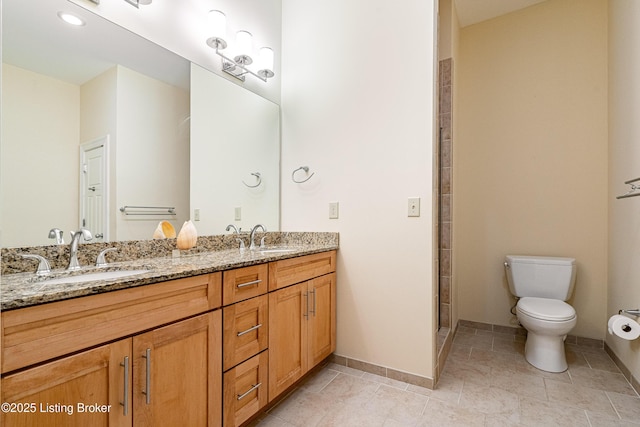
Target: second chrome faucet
[(252, 243), (73, 247)]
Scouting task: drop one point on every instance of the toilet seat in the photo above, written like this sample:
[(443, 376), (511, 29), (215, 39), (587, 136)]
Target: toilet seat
[(551, 310)]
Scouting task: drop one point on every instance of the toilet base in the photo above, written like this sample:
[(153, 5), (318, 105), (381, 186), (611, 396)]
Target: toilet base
[(546, 352)]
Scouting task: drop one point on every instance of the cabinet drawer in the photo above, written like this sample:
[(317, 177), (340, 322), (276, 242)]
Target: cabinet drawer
[(246, 330), (244, 283), (35, 334), (295, 270), (245, 389)]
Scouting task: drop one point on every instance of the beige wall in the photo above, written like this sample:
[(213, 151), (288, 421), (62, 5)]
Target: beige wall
[(152, 153), (367, 133), (624, 165), (40, 122), (530, 160), (148, 128), (225, 150)]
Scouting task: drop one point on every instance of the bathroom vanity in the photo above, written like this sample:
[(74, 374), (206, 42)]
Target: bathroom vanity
[(208, 348)]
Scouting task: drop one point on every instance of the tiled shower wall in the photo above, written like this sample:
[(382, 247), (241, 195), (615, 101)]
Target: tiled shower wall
[(445, 89)]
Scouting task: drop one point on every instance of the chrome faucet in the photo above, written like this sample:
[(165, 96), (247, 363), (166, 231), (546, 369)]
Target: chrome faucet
[(73, 247), (252, 244), (236, 231)]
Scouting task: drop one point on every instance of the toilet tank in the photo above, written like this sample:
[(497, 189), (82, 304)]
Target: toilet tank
[(542, 277)]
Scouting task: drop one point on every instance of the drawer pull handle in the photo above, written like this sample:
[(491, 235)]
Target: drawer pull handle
[(147, 390), (243, 395), (125, 402), (253, 328), (242, 285)]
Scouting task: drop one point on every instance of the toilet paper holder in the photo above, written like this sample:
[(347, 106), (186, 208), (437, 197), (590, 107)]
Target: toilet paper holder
[(633, 311)]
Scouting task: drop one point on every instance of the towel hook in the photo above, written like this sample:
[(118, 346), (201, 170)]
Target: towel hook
[(306, 170), (258, 180)]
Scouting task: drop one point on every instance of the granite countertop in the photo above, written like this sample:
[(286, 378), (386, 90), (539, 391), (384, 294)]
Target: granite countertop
[(26, 289)]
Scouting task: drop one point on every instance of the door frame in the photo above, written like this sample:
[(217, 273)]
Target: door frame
[(103, 141)]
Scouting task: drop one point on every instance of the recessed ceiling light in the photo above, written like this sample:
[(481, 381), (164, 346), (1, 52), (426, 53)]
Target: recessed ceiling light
[(71, 19)]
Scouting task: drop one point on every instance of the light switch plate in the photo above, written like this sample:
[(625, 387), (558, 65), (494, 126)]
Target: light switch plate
[(333, 210), (414, 207), (238, 214)]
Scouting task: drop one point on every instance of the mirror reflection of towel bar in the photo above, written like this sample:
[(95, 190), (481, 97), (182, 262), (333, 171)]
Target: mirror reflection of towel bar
[(634, 188), (148, 210)]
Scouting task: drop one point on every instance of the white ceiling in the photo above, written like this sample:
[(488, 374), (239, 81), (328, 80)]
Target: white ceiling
[(473, 11), (35, 38)]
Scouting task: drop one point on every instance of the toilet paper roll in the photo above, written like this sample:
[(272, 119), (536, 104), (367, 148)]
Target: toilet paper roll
[(623, 327)]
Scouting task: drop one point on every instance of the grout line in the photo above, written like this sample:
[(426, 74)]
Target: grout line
[(460, 392), (588, 419), (424, 407), (612, 405)]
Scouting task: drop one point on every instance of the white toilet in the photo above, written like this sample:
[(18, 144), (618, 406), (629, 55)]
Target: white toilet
[(543, 284)]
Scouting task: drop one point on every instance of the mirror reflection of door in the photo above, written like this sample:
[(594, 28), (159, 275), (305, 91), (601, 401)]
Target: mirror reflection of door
[(94, 188)]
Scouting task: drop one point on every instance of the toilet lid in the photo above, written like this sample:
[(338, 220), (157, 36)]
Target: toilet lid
[(546, 309)]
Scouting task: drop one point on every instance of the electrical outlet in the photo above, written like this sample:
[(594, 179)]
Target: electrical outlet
[(414, 206), (333, 210), (196, 214), (238, 213)]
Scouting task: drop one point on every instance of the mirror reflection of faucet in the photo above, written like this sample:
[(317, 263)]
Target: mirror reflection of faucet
[(237, 232), (43, 265), (56, 233), (101, 260)]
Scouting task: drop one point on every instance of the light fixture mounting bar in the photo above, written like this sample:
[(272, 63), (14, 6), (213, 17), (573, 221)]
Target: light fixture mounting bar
[(229, 66)]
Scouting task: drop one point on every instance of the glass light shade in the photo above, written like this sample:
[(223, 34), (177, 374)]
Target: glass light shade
[(266, 62), (266, 58), (218, 24), (244, 44)]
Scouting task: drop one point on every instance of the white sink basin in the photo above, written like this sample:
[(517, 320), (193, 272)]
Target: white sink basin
[(91, 277), (276, 251)]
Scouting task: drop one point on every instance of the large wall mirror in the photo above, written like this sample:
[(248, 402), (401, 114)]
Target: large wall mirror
[(96, 118)]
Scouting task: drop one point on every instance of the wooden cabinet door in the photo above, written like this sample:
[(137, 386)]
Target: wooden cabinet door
[(288, 312), (178, 374), (322, 315), (84, 390)]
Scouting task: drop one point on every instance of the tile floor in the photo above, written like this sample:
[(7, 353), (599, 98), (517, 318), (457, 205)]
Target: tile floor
[(486, 382)]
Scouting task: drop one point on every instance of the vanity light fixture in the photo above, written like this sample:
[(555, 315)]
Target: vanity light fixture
[(71, 19), (237, 67)]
